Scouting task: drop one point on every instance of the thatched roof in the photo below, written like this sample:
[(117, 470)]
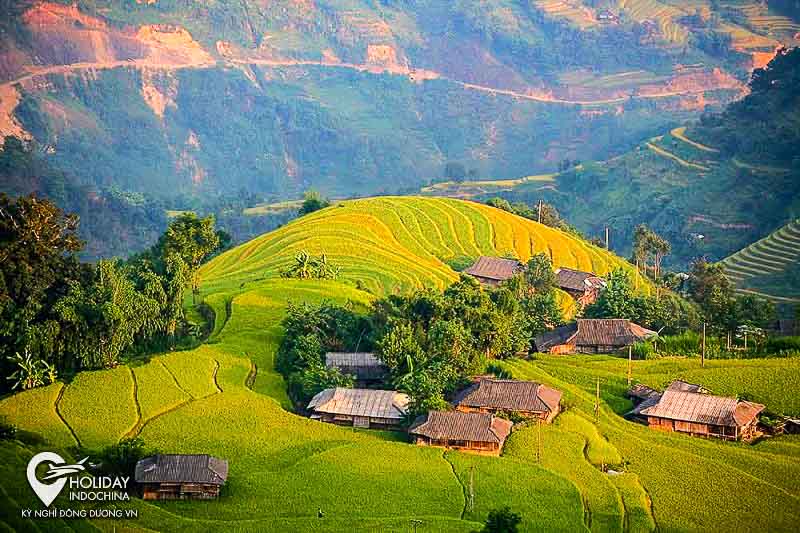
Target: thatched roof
[(362, 365), (510, 395), (371, 403), (182, 469), (455, 425), (577, 280), (495, 268), (616, 332), (703, 409)]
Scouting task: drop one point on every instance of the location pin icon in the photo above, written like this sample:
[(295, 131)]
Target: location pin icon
[(46, 492)]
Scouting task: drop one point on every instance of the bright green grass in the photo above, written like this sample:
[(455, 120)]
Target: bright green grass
[(157, 390), (34, 410), (690, 480), (636, 501), (546, 501), (284, 467), (98, 405), (195, 375)]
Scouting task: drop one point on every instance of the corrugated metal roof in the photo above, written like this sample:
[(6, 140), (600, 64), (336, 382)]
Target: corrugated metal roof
[(455, 425), (703, 409), (182, 469), (495, 268), (510, 395), (363, 365), (360, 402), (615, 332), (577, 280), (685, 386)]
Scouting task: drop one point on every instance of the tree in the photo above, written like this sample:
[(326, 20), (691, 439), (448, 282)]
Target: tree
[(38, 261), (712, 290), (192, 239), (102, 319), (502, 521), (617, 300), (647, 244), (539, 274), (313, 201)]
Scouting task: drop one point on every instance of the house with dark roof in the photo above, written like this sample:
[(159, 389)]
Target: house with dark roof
[(475, 432), (365, 368), (494, 270), (705, 415), (584, 287), (592, 335), (181, 477), (363, 408), (497, 396)]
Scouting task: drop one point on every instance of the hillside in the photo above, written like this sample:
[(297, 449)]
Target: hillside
[(711, 188), (225, 398), (356, 96), (770, 266), (391, 244)]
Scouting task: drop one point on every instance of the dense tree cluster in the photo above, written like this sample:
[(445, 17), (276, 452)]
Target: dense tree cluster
[(665, 311), (58, 314), (431, 341)]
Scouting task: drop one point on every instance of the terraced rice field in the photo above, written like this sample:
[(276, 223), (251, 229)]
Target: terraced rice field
[(574, 12), (391, 244), (664, 14), (225, 398), (768, 260), (762, 20)]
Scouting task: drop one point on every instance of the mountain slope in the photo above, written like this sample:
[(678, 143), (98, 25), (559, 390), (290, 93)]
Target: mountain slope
[(346, 96), (711, 188), (770, 266)]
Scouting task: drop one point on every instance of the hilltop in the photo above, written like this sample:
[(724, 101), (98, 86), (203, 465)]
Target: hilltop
[(225, 398)]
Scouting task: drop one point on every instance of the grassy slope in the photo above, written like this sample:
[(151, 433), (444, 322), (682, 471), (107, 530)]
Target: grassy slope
[(284, 467)]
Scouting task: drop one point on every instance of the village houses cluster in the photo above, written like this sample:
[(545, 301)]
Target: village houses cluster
[(479, 421)]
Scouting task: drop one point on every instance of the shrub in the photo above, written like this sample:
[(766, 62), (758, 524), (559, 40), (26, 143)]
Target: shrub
[(643, 350), (460, 262), (502, 521)]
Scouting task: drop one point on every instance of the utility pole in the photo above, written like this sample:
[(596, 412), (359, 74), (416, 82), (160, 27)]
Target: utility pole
[(471, 502), (607, 240), (630, 364), (597, 401), (703, 349), (539, 440), (540, 212)]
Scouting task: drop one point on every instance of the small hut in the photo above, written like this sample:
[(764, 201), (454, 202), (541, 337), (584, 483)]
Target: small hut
[(475, 432), (704, 415), (494, 270), (181, 477), (365, 368), (584, 287), (587, 335), (363, 408), (494, 396)]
